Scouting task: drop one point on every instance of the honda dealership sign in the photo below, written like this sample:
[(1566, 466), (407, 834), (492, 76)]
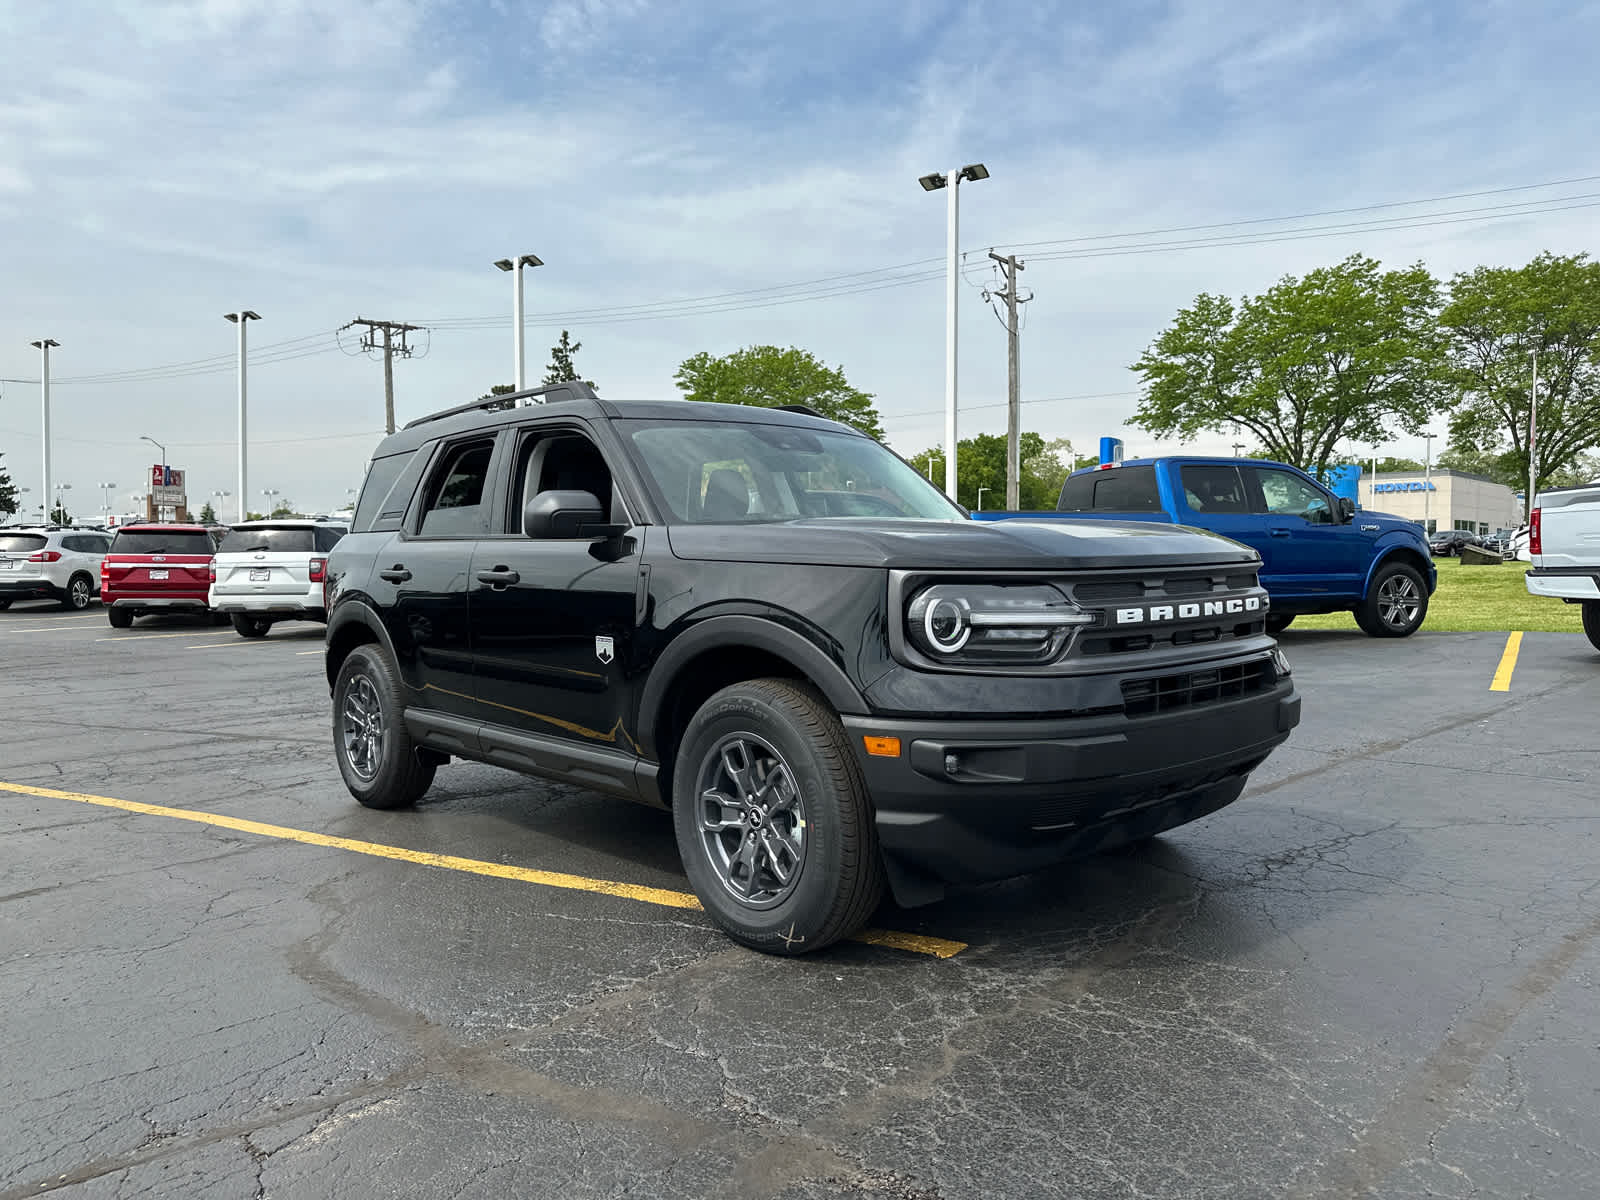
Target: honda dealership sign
[(166, 486)]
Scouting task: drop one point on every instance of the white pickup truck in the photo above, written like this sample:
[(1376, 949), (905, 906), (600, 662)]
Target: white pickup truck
[(1564, 545)]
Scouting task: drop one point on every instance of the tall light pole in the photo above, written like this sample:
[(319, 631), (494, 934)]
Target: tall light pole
[(105, 497), (60, 504), (981, 491), (242, 318), (269, 493), (1427, 483), (515, 265), (1533, 432), (219, 495), (44, 346), (952, 182)]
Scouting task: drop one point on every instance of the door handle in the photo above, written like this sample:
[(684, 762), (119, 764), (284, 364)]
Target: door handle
[(395, 574), (1278, 532), (500, 577)]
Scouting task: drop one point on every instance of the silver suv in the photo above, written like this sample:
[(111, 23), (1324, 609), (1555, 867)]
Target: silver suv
[(44, 562), (266, 571)]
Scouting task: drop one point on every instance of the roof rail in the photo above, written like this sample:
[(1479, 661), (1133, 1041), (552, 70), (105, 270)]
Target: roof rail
[(805, 409), (572, 389)]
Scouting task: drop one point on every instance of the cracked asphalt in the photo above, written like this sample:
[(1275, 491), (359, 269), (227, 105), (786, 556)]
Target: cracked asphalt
[(1373, 975)]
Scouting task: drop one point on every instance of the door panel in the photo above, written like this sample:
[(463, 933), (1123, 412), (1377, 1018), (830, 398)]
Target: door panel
[(1313, 552)]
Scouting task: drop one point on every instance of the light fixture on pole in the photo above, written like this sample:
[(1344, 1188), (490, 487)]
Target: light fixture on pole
[(1238, 449), (60, 507), (242, 318), (269, 493), (952, 182), (515, 265), (44, 346), (981, 491), (105, 496)]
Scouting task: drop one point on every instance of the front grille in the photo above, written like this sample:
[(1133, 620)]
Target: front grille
[(1210, 685), (1154, 588)]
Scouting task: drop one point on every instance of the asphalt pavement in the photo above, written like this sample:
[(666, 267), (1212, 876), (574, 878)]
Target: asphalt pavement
[(1375, 974)]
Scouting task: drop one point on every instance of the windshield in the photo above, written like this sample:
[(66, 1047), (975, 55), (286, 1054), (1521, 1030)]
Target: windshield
[(716, 473), (290, 538), (21, 543), (162, 541)]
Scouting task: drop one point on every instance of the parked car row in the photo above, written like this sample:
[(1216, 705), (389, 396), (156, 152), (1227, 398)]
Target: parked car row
[(254, 574)]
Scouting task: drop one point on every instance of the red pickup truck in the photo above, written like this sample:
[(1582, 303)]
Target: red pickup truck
[(156, 568)]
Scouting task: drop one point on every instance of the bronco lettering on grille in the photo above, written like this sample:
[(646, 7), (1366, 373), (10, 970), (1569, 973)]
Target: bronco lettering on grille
[(1196, 610)]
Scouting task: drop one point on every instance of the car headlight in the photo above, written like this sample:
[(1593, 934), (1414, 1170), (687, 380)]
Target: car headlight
[(968, 623)]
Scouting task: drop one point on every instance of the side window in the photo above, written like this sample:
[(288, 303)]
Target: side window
[(1214, 489), (562, 461), (102, 545), (73, 543), (325, 537), (1289, 495), (381, 478), (453, 499)]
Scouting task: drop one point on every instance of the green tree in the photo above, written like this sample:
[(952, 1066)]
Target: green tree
[(8, 492), (1497, 318), (1349, 352), (561, 369), (60, 516), (981, 463), (767, 377), (284, 509), (208, 515)]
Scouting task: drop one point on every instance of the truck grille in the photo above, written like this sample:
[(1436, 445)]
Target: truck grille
[(1180, 591), (1210, 685)]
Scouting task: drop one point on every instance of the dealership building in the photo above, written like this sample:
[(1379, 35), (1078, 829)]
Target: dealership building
[(1443, 499)]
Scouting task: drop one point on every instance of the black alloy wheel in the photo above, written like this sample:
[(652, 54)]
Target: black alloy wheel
[(381, 765), (773, 819)]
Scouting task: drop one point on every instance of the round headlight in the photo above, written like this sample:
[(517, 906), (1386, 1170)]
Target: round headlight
[(947, 622)]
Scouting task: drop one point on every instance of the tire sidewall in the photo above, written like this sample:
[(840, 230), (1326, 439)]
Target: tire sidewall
[(809, 906), (73, 593), (364, 662)]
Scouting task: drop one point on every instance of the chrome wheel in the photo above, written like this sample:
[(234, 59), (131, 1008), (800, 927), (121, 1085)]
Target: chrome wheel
[(363, 728), (78, 593), (752, 820), (1399, 601)]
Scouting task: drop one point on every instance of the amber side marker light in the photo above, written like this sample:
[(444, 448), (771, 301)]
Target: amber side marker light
[(882, 747)]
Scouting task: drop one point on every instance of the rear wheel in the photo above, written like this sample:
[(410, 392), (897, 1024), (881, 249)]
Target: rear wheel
[(250, 627), (380, 763), (80, 593), (1395, 603), (4, 604), (1591, 622), (1278, 622), (773, 819), (120, 618)]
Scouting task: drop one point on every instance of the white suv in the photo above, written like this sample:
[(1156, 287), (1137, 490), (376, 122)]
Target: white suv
[(266, 571), (44, 562)]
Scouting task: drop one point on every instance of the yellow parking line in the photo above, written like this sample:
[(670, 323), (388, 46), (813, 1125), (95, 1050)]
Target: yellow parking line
[(915, 943), (1508, 663)]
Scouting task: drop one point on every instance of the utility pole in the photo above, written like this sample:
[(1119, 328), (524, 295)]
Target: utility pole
[(44, 345), (369, 341), (1010, 264)]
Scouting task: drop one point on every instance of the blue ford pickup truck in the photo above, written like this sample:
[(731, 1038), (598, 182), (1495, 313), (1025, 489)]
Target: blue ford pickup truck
[(1318, 553)]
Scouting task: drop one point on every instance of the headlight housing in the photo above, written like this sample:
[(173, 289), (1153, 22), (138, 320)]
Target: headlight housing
[(981, 624)]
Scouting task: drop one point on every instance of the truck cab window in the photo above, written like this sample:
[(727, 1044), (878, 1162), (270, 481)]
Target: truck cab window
[(1288, 495)]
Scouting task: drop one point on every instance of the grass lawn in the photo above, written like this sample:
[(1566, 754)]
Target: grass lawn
[(1475, 599)]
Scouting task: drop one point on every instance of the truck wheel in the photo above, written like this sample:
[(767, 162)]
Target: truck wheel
[(5, 603), (379, 761), (80, 593), (1278, 622), (1395, 604), (773, 819), (120, 618), (250, 627), (1591, 622)]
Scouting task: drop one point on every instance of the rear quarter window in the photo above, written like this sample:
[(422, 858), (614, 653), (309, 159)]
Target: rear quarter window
[(382, 476), (1116, 489)]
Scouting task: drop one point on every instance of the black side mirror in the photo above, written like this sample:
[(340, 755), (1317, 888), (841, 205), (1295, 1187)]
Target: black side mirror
[(1347, 510), (557, 514)]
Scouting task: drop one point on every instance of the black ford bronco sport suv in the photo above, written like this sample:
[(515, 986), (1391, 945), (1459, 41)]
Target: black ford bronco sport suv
[(773, 626)]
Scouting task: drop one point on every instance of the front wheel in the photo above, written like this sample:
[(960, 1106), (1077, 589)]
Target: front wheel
[(1395, 603), (1278, 622), (250, 627), (4, 604), (80, 593), (1591, 622), (773, 819), (379, 761)]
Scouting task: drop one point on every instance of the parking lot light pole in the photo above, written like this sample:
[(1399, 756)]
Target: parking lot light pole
[(44, 346), (1427, 483), (951, 182), (519, 358), (242, 318), (269, 493), (981, 491), (105, 497)]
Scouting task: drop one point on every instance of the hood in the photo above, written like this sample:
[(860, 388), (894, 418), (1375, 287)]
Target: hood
[(1389, 521), (958, 545)]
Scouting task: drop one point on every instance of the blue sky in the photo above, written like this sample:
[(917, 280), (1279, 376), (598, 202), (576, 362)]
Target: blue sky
[(162, 163)]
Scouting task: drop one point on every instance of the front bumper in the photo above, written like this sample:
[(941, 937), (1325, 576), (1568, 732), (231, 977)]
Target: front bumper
[(974, 800), (1564, 583)]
